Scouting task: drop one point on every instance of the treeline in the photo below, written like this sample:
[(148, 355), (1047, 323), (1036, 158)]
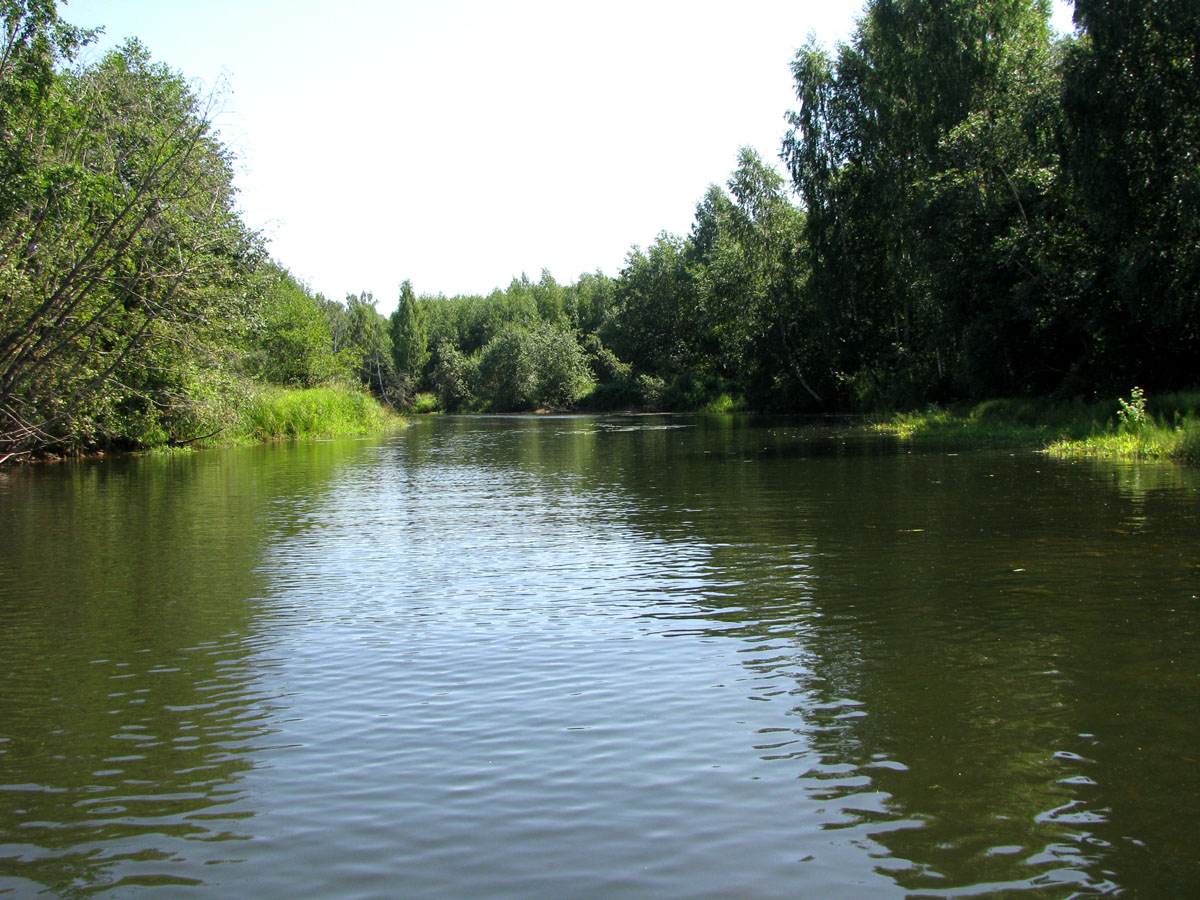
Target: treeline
[(991, 211), (973, 207), (136, 308), (981, 208), (702, 321)]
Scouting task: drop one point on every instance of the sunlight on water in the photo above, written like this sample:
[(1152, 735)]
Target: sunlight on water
[(575, 657)]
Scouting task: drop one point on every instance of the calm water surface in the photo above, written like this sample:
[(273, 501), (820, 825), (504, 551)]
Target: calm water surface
[(599, 657)]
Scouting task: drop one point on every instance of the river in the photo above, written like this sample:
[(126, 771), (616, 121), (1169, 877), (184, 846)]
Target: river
[(598, 657)]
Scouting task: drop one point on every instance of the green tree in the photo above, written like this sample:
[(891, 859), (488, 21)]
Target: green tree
[(590, 302), (563, 371), (1000, 273), (291, 343), (750, 272), (123, 263), (410, 336), (1132, 104), (526, 368), (653, 326), (451, 377), (370, 345), (866, 148), (550, 298)]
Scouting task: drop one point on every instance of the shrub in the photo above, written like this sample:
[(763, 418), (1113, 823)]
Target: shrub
[(527, 367), (425, 403), (1132, 412), (651, 389), (452, 376)]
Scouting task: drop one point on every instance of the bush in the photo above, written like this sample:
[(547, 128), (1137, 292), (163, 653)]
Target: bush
[(621, 394), (525, 368), (604, 363), (1132, 412), (563, 375), (452, 376), (425, 403), (650, 390), (689, 391), (506, 375)]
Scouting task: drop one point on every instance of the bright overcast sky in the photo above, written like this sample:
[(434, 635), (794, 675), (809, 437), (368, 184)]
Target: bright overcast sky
[(459, 143)]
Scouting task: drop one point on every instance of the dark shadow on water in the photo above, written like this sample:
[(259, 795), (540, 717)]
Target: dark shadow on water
[(131, 707)]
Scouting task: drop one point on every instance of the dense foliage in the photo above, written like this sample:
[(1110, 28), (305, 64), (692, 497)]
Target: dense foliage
[(121, 255), (135, 306), (974, 207), (982, 208), (991, 211)]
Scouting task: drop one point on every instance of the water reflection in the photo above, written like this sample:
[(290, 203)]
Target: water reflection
[(654, 657), (981, 684), (130, 699)]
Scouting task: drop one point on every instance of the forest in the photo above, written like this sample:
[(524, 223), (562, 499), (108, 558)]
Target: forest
[(972, 207)]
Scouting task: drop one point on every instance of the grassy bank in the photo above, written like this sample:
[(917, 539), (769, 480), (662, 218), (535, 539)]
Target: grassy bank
[(271, 413), (1137, 427), (252, 413), (1177, 440)]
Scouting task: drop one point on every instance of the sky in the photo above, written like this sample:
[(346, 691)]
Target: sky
[(463, 143)]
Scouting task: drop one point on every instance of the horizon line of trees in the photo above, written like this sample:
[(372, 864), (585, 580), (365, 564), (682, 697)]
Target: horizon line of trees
[(973, 207)]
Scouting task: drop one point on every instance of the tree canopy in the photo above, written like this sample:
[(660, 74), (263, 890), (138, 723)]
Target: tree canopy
[(972, 206)]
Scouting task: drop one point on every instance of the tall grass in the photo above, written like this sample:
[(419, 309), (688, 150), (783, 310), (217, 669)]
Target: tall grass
[(1158, 427), (273, 412), (1163, 427), (1019, 422)]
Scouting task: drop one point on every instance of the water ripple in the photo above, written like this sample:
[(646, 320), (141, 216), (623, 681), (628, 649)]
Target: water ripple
[(538, 658)]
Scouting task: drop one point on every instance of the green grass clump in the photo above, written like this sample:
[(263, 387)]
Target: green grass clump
[(1163, 427), (1189, 445), (1140, 427), (984, 426), (1178, 440), (273, 413)]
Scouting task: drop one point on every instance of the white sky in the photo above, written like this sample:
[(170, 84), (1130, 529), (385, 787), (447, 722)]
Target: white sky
[(460, 143)]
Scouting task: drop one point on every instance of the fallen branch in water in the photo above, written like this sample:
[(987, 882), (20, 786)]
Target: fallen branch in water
[(176, 442)]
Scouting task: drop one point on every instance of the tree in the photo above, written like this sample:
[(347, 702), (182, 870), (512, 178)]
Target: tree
[(865, 150), (370, 345), (123, 263), (526, 368), (1000, 273), (410, 335), (652, 325), (549, 295), (1132, 103), (751, 277), (291, 343), (451, 377), (590, 302)]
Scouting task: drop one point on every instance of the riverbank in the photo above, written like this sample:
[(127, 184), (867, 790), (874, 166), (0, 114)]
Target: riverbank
[(1137, 427), (257, 414), (274, 413)]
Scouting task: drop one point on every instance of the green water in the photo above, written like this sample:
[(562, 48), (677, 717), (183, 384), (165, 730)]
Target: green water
[(579, 657)]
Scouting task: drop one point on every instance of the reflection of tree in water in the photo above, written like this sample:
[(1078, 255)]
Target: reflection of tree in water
[(135, 756), (993, 671), (129, 711)]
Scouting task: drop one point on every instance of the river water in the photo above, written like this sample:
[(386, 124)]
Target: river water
[(597, 657)]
